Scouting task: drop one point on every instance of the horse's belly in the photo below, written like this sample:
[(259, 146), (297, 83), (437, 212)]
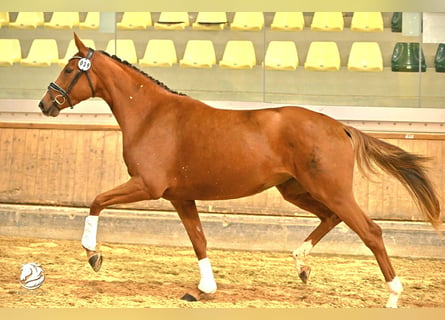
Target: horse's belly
[(223, 188)]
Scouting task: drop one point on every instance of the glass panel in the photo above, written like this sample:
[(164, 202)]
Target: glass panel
[(377, 63), (365, 77)]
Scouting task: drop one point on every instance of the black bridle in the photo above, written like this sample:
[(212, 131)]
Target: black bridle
[(83, 65)]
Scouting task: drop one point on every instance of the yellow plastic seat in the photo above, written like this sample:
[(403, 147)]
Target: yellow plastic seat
[(367, 22), (327, 21), (210, 21), (281, 55), (28, 20), (63, 20), (124, 49), (287, 21), (135, 21), (172, 21), (159, 53), (10, 53), (323, 56), (199, 54), (238, 54), (247, 21), (4, 19), (43, 53), (91, 22), (365, 56), (72, 50)]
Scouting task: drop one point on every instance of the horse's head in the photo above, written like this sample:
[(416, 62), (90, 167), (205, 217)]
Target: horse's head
[(73, 85)]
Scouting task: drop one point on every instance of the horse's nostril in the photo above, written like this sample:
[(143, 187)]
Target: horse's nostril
[(41, 106)]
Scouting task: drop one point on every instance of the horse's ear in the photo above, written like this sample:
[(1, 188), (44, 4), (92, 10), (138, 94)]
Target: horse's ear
[(79, 44)]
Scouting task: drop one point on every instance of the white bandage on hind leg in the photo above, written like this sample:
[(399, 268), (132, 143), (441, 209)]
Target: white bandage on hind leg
[(395, 289), (89, 233), (301, 253), (207, 283)]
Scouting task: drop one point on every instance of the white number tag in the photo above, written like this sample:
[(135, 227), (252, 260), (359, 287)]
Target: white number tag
[(84, 64)]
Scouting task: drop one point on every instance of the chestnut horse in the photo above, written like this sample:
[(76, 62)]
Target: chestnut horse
[(182, 150)]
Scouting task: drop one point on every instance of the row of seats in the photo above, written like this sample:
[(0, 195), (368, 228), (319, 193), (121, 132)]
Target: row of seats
[(238, 54), (244, 21)]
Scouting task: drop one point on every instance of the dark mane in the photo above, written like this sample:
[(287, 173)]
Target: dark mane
[(126, 63)]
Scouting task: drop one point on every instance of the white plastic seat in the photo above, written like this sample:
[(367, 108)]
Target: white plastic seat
[(10, 53), (28, 20), (124, 49), (159, 53), (172, 21), (281, 55), (43, 53), (91, 22), (210, 21), (247, 21), (238, 54), (199, 54), (367, 22), (327, 21), (323, 56), (288, 21), (365, 56), (72, 50), (135, 21), (63, 20)]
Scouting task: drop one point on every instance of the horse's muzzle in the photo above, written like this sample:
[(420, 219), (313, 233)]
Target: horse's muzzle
[(52, 111)]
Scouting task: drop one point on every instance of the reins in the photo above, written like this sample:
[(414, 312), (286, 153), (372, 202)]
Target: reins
[(83, 65)]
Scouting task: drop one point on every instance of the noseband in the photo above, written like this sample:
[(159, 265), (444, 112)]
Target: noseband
[(83, 65)]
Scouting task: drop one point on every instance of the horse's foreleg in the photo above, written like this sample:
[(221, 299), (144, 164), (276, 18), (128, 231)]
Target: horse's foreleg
[(130, 191), (188, 214), (292, 192)]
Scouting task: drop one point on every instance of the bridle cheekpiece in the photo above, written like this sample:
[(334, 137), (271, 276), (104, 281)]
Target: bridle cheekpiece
[(83, 65)]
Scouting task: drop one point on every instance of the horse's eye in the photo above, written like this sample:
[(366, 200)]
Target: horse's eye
[(68, 70)]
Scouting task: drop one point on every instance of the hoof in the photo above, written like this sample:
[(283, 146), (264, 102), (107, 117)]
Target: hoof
[(304, 273), (189, 297), (95, 260), (195, 295)]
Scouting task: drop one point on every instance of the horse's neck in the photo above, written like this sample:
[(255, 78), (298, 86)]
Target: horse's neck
[(131, 97)]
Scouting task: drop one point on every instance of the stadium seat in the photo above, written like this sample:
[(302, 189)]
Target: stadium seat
[(43, 53), (159, 53), (323, 56), (287, 21), (210, 21), (172, 21), (198, 54), (238, 54), (4, 19), (91, 22), (10, 53), (281, 55), (247, 21), (439, 59), (135, 21), (124, 49), (406, 58), (63, 20), (365, 56), (367, 22), (28, 20), (72, 50), (396, 22), (327, 21)]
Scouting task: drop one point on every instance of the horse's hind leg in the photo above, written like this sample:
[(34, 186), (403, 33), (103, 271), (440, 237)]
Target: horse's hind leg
[(188, 214), (371, 234), (293, 193)]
